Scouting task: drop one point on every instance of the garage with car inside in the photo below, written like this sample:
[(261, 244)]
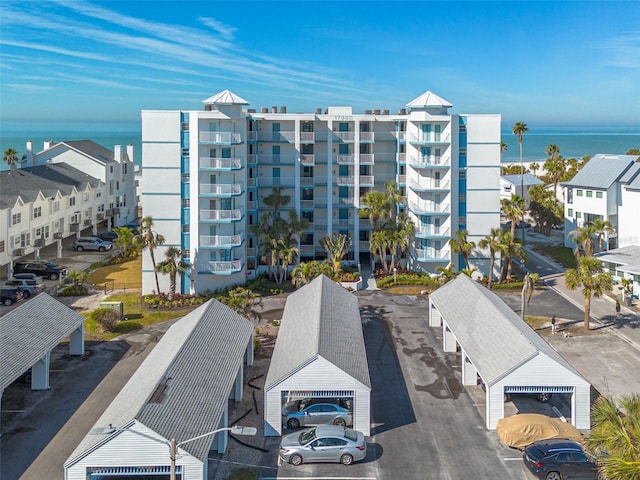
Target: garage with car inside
[(318, 372), (500, 349)]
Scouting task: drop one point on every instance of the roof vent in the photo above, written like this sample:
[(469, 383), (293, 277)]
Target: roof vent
[(318, 111), (274, 109), (376, 111), (403, 111), (251, 110), (264, 110), (283, 109), (385, 112), (367, 112)]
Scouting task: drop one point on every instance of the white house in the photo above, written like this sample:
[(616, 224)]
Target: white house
[(319, 352), (623, 263), (518, 185), (181, 391), (502, 350), (607, 187), (206, 174)]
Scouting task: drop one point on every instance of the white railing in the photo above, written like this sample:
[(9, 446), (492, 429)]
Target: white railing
[(366, 158), (224, 267), (348, 180), (288, 137), (443, 232), (366, 136), (306, 181), (402, 179), (229, 215), (366, 180), (430, 185), (429, 161), (307, 159), (276, 181), (211, 189), (221, 137), (346, 201), (400, 135), (344, 222), (251, 182), (431, 254), (220, 240), (306, 204), (345, 136), (344, 159), (429, 207), (307, 137), (430, 137), (275, 159), (221, 163)]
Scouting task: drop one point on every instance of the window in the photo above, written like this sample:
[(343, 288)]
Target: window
[(37, 212), (578, 215), (185, 178), (463, 128), (25, 240), (110, 168), (1, 246), (463, 151), (185, 152), (184, 126), (579, 193), (16, 218), (186, 203), (589, 193), (462, 197), (462, 174), (72, 201), (598, 194), (569, 195), (185, 228), (570, 213), (124, 168), (86, 197), (186, 253), (98, 193)]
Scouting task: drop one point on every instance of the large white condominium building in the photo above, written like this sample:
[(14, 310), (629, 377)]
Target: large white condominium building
[(206, 175)]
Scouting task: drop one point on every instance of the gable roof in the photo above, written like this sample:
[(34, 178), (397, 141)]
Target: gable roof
[(226, 97), (30, 331), (429, 99), (182, 387), (527, 179), (496, 339), (601, 171), (320, 319)]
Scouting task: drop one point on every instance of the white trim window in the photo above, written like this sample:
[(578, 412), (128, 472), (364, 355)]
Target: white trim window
[(37, 212), (16, 218)]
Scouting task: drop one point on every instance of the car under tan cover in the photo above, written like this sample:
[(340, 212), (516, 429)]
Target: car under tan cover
[(523, 429)]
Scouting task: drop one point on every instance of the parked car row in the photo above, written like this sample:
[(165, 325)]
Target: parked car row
[(39, 268), (27, 286)]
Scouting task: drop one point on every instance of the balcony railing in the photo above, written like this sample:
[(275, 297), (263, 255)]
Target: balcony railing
[(432, 231), (427, 254), (344, 222), (430, 161), (306, 181), (429, 207), (251, 182), (431, 137), (307, 249), (220, 241), (276, 159), (307, 159), (366, 180), (224, 138), (287, 137), (306, 204), (366, 136), (402, 179), (307, 137), (363, 245), (344, 159), (345, 136), (251, 252), (223, 268), (220, 215), (402, 136), (346, 201), (214, 163), (346, 180), (220, 190), (366, 158), (277, 181), (401, 157), (429, 185)]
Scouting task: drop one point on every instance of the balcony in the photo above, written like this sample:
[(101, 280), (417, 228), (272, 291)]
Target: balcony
[(276, 159), (431, 255), (431, 161), (306, 182), (307, 137), (346, 180), (307, 250), (430, 138), (346, 201), (280, 137), (344, 159), (307, 160), (363, 245), (251, 182), (306, 204), (251, 252), (345, 136), (401, 158), (222, 268), (366, 137), (288, 181), (220, 241), (228, 190), (367, 181), (430, 231), (402, 179), (343, 223), (366, 159), (220, 216), (429, 185), (400, 136), (429, 208), (220, 164), (221, 138)]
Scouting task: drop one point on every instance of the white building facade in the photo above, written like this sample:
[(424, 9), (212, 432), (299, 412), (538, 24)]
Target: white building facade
[(207, 172)]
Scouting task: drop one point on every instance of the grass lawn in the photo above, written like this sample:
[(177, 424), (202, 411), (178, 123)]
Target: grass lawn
[(563, 255), (128, 273)]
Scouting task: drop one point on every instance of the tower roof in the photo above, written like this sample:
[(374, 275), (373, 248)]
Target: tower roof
[(226, 97), (430, 100)]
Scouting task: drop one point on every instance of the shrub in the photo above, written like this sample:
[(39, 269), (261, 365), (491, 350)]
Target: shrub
[(275, 323), (107, 319), (353, 276), (407, 279), (73, 291)]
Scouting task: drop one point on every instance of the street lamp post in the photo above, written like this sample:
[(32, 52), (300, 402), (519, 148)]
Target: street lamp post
[(395, 274), (173, 445)]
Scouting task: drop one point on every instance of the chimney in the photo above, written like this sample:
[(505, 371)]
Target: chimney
[(274, 109), (264, 110), (283, 109), (318, 111), (29, 154), (117, 153), (47, 145), (130, 152)]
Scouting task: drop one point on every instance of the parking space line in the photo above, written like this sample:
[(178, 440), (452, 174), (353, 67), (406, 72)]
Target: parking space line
[(318, 478), (507, 459)]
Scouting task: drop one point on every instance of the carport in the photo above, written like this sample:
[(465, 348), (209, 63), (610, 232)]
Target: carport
[(30, 332), (319, 353), (182, 391), (500, 348)]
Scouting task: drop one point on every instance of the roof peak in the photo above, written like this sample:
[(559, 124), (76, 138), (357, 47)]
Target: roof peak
[(225, 97), (429, 100)]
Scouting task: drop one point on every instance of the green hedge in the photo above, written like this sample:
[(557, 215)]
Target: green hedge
[(507, 286), (407, 279)]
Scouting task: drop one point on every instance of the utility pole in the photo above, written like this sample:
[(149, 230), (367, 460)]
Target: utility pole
[(172, 456)]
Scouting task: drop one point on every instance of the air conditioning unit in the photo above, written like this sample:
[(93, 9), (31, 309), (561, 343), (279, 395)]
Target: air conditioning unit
[(74, 227), (38, 243), (57, 235), (18, 252), (87, 223), (100, 216)]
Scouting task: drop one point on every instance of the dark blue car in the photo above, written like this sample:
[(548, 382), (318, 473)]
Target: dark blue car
[(559, 459)]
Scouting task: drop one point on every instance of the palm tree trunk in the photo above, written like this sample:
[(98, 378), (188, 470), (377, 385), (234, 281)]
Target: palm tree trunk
[(587, 311), (492, 262), (155, 272), (172, 284)]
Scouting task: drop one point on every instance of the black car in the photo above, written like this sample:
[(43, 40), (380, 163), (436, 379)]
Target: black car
[(109, 236), (9, 295), (559, 459), (41, 269)]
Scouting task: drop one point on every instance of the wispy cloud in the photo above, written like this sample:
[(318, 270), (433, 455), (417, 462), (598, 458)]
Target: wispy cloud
[(225, 30), (622, 51)]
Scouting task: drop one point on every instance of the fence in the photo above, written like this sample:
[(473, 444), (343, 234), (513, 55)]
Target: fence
[(124, 287)]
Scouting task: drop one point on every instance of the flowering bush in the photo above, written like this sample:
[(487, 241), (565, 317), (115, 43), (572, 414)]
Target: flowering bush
[(163, 300)]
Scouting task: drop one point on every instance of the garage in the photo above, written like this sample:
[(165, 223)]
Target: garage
[(502, 351), (319, 358)]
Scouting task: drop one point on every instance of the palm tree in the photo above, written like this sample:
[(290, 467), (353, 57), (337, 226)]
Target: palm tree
[(378, 244), (243, 301), (172, 265), (519, 129), (589, 276), (528, 286), (393, 198), (124, 241), (602, 227), (78, 277), (616, 431), (276, 200), (288, 256), (11, 157), (460, 245), (307, 271), (503, 147), (534, 167), (583, 237), (149, 239), (446, 274), (375, 207), (406, 230), (494, 241), (513, 208), (555, 166), (336, 246), (514, 250)]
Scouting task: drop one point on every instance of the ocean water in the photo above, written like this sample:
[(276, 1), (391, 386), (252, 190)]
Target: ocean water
[(574, 142)]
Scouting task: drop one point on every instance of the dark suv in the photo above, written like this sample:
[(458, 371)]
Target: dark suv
[(557, 458), (41, 269), (9, 295)]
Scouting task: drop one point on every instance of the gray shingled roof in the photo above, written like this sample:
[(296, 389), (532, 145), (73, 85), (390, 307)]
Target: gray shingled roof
[(49, 179), (30, 331), (495, 338), (320, 319), (601, 171), (191, 370), (528, 179)]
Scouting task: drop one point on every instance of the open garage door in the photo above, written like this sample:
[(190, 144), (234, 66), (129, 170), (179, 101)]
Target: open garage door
[(538, 389), (304, 398)]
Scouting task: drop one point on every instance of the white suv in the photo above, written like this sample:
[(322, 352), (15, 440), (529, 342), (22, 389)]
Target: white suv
[(91, 243)]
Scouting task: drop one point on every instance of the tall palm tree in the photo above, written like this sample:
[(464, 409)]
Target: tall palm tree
[(519, 129), (494, 241), (379, 244), (375, 207), (602, 227), (555, 166), (583, 237), (276, 199), (406, 229), (149, 239), (514, 250), (461, 245), (616, 430), (172, 265), (528, 286), (589, 276), (534, 167), (503, 147), (393, 198), (11, 158), (513, 208)]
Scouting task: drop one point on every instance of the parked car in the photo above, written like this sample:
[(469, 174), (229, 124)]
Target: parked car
[(324, 443), (91, 243), (543, 397), (28, 287), (26, 276), (134, 227), (523, 429), (301, 404), (9, 295), (558, 459), (109, 236), (317, 414), (41, 268)]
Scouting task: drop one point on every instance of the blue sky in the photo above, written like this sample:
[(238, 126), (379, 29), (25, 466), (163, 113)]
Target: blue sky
[(549, 63)]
